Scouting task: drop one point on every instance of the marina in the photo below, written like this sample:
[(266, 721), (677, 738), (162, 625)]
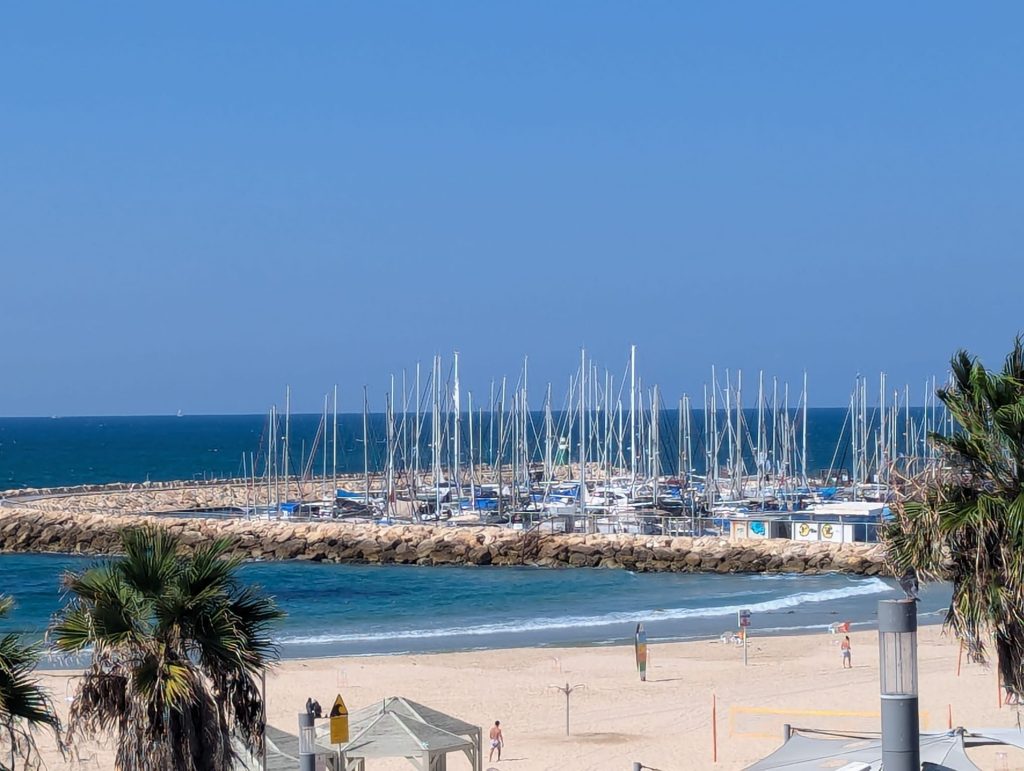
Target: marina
[(610, 457)]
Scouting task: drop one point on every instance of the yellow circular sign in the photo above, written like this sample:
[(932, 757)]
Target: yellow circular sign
[(805, 529), (826, 531)]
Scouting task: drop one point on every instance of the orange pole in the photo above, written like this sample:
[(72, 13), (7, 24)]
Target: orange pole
[(714, 729), (960, 658)]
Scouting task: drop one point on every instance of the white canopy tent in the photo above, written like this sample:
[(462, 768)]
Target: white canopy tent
[(813, 751), (399, 727)]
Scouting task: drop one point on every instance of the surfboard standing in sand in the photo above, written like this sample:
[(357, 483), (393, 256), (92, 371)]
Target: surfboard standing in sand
[(641, 651)]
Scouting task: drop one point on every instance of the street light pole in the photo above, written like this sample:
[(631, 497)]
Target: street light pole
[(307, 742), (897, 644)]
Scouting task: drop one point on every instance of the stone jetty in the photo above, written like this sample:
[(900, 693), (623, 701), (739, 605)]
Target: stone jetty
[(87, 521)]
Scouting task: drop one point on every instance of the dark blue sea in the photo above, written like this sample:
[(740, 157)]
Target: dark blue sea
[(44, 452)]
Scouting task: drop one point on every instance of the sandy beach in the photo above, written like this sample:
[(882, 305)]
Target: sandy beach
[(664, 723)]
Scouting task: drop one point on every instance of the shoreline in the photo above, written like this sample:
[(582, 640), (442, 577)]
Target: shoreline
[(933, 619)]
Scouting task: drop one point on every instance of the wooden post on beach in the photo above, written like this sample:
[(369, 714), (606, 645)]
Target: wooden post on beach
[(714, 729), (960, 658), (949, 719)]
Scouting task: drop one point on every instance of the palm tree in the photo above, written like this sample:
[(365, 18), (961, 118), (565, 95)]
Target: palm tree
[(177, 644), (24, 705), (965, 522)]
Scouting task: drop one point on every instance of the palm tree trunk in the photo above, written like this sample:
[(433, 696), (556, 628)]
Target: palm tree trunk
[(1009, 639)]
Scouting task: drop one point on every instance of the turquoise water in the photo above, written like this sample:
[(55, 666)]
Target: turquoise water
[(41, 452), (363, 609)]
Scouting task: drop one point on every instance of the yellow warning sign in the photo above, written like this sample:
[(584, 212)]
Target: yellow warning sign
[(339, 721)]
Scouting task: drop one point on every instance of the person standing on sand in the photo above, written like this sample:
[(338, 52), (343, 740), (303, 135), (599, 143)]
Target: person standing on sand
[(845, 648), (497, 740)]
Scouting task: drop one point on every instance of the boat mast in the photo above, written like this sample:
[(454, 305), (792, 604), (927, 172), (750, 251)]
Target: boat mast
[(883, 466), (366, 449), (323, 479), (458, 426), (472, 469), (501, 445), (404, 434), (583, 432), (855, 433), (655, 449), (760, 436), (606, 442), (728, 428), (334, 447), (251, 511), (620, 460), (390, 417), (435, 433), (906, 430), (865, 469), (788, 441), (641, 455), (775, 427), (741, 470), (679, 438), (549, 473), (513, 420), (688, 434), (525, 418), (272, 461), (632, 420), (803, 428), (712, 470), (490, 434), (287, 425), (416, 437)]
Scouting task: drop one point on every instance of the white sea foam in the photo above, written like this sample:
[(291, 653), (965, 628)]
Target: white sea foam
[(855, 589)]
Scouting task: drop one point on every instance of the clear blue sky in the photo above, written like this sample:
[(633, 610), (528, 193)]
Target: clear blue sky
[(202, 202)]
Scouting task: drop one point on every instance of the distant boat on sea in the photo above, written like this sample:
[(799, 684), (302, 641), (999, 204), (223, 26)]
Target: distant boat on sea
[(180, 414)]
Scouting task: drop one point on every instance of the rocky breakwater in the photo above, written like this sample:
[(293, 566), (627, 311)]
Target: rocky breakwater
[(145, 497), (26, 530)]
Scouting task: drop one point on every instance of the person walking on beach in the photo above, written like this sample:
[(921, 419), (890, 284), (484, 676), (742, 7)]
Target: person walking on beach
[(497, 740), (845, 648)]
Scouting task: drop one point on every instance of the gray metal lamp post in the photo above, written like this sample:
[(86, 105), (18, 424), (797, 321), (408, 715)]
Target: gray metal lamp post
[(897, 647), (307, 742)]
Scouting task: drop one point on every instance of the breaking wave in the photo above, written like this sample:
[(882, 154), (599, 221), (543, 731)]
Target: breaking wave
[(854, 589)]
